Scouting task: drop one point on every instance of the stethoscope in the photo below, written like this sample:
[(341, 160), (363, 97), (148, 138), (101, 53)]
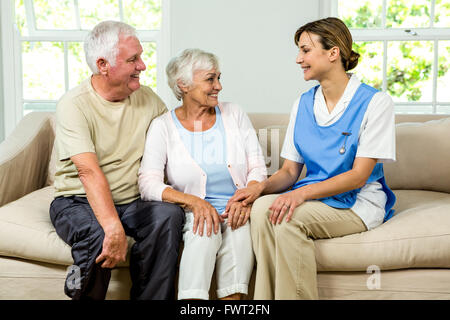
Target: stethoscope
[(342, 149)]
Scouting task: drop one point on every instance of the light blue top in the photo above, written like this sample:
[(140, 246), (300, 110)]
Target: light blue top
[(209, 150)]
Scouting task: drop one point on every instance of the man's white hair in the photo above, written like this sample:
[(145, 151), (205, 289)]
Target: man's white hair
[(102, 42), (182, 67)]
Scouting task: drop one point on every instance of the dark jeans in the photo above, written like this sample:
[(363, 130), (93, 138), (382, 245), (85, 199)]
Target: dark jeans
[(155, 226)]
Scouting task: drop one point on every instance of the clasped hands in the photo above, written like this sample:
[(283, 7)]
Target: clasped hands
[(236, 213), (284, 204)]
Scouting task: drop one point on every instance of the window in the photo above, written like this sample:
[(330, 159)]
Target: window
[(47, 45), (405, 49)]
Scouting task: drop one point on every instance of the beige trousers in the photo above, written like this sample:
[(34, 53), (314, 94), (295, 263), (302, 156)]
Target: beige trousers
[(285, 253)]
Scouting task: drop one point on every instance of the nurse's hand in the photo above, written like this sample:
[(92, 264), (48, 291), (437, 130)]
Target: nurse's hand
[(285, 203), (246, 195), (237, 214), (203, 212)]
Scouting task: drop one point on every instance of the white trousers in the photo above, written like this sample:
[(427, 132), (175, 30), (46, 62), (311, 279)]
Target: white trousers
[(229, 251)]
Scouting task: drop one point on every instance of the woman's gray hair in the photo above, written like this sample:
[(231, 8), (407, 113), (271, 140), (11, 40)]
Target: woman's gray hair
[(182, 67), (102, 42)]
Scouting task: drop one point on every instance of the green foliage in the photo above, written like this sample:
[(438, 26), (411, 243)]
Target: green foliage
[(406, 73), (20, 17), (364, 18), (45, 80), (442, 13), (370, 60), (409, 63), (400, 11)]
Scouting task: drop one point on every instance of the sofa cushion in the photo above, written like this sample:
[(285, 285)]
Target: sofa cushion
[(271, 140), (53, 157), (27, 232), (406, 284), (423, 157), (33, 280), (24, 157), (418, 236)]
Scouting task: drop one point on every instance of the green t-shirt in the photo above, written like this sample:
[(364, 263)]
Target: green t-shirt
[(114, 131)]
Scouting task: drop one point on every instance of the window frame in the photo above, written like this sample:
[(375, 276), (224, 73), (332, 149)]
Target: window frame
[(384, 35), (11, 41)]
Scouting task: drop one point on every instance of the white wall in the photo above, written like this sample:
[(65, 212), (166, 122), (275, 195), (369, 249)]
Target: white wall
[(254, 40)]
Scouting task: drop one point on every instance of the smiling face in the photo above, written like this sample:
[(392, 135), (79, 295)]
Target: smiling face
[(123, 77), (312, 57), (204, 89)]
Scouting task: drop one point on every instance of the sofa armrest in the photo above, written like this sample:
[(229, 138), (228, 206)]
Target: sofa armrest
[(25, 156)]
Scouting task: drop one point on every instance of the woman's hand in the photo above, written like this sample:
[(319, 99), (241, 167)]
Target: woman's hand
[(204, 212), (237, 214), (286, 202)]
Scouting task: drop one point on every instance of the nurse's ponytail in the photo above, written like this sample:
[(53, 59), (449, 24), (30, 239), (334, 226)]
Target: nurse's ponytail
[(352, 61)]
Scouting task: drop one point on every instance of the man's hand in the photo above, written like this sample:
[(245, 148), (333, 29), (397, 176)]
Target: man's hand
[(100, 199), (114, 246)]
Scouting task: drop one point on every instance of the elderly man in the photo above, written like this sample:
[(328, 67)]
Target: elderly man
[(100, 136)]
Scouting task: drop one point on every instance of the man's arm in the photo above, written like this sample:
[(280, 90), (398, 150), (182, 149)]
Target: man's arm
[(100, 199)]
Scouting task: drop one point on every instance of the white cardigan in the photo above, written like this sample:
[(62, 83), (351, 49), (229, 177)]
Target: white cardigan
[(165, 155)]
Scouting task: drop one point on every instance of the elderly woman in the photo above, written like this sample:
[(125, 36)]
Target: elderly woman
[(207, 150)]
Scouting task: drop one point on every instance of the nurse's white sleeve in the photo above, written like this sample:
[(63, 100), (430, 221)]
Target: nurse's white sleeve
[(377, 136), (289, 151)]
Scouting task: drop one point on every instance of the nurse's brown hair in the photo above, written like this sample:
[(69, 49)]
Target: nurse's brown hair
[(333, 33)]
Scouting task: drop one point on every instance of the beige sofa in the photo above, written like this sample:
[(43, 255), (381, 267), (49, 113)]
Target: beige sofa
[(406, 258)]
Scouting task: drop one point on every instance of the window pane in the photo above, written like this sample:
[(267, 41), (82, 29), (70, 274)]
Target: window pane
[(370, 65), (443, 109), (442, 14), (443, 81), (38, 106), (143, 14), (414, 109), (77, 66), (409, 70), (94, 11), (54, 14), (43, 70), (408, 13), (148, 77), (361, 14), (21, 20)]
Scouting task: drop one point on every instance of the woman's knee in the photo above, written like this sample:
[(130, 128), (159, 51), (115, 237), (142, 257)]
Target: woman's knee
[(202, 243)]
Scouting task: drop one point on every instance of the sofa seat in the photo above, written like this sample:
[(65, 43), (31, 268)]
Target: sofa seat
[(403, 284), (24, 279), (28, 233), (398, 243)]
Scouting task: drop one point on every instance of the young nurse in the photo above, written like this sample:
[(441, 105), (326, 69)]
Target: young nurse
[(342, 130)]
